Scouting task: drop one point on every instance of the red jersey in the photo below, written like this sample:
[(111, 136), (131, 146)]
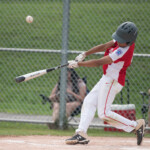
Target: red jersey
[(122, 57)]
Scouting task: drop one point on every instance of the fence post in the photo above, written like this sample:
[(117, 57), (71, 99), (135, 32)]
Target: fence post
[(65, 31)]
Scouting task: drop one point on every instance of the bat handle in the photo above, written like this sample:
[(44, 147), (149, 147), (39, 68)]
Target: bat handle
[(55, 68), (64, 65)]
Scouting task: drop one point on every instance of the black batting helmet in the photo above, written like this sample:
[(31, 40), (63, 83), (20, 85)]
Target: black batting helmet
[(126, 33)]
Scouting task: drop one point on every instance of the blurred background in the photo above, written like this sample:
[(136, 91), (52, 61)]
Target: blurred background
[(27, 47)]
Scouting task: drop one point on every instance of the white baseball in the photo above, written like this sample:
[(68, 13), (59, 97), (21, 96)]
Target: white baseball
[(29, 19)]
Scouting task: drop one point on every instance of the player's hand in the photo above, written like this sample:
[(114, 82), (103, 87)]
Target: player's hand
[(80, 57), (72, 64)]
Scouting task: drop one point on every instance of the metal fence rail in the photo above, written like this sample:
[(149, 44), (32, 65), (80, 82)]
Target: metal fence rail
[(59, 51)]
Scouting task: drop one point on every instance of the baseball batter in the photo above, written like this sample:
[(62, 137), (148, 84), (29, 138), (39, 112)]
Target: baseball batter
[(118, 57)]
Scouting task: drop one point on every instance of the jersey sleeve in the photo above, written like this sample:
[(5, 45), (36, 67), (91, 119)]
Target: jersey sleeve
[(118, 53)]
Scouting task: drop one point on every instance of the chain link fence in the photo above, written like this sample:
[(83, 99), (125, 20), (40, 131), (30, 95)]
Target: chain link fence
[(30, 47)]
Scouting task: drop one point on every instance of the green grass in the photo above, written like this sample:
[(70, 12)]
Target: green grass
[(18, 129)]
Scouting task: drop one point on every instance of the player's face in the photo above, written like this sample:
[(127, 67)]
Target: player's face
[(122, 44)]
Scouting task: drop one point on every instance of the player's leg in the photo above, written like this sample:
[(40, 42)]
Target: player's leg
[(87, 114), (106, 97)]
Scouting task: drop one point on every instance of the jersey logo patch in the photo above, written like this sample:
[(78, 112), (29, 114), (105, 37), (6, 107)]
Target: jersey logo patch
[(119, 52)]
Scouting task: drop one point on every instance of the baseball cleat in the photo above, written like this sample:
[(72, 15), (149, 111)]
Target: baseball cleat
[(77, 139), (140, 130)]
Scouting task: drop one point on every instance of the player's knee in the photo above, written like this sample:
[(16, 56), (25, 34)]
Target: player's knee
[(103, 115)]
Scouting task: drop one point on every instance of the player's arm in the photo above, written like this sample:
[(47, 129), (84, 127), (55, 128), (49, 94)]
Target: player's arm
[(91, 63), (96, 62), (100, 48), (96, 49), (117, 54)]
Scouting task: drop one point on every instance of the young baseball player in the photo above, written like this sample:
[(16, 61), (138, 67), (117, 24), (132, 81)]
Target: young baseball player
[(117, 58)]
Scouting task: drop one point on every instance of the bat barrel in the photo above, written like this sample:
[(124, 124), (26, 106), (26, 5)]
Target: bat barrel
[(19, 79), (36, 74), (30, 76)]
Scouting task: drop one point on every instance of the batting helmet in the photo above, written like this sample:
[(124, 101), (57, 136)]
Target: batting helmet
[(126, 33)]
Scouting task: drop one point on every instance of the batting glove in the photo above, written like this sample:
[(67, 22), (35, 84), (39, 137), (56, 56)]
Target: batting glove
[(80, 57), (72, 64)]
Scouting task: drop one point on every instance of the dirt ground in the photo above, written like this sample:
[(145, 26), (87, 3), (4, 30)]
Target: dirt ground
[(58, 143)]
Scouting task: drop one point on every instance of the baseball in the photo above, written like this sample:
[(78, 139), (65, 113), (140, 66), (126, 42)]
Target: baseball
[(29, 19)]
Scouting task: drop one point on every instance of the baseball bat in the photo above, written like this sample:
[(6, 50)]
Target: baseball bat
[(36, 74)]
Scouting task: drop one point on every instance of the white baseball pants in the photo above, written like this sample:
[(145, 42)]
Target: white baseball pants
[(101, 98)]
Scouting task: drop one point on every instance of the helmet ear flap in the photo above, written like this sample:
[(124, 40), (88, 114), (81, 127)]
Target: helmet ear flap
[(128, 43), (133, 40)]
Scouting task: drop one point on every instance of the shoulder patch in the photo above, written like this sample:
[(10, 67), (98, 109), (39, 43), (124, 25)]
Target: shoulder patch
[(119, 52)]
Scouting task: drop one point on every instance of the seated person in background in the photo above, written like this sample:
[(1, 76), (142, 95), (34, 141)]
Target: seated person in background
[(75, 93)]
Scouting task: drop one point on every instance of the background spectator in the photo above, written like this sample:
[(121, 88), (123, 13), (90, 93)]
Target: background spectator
[(76, 91)]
